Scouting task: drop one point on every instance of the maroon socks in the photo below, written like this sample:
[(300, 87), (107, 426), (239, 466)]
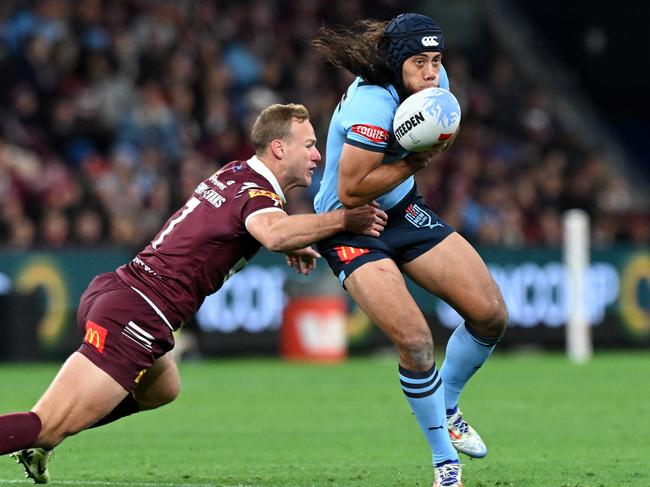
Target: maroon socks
[(18, 431)]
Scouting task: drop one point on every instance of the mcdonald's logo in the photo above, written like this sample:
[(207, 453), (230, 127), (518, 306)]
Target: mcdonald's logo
[(347, 254), (95, 335)]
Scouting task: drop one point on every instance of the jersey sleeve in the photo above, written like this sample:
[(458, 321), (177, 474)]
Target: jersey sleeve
[(368, 117), (258, 200)]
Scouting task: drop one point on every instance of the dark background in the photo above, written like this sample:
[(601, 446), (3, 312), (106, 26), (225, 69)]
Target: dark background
[(605, 45)]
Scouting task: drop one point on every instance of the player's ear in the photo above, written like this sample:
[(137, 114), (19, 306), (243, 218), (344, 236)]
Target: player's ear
[(278, 149)]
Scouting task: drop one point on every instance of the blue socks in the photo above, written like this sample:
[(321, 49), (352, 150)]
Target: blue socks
[(425, 393), (466, 352)]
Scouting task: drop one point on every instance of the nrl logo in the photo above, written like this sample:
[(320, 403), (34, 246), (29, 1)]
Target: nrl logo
[(420, 218)]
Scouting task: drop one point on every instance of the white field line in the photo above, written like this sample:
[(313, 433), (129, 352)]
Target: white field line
[(129, 484), (110, 483)]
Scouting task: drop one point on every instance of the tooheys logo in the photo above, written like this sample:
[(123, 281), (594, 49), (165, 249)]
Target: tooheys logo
[(252, 193), (95, 335), (405, 127), (371, 132)]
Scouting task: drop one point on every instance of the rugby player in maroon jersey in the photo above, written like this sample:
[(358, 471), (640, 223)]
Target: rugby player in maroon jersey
[(127, 316)]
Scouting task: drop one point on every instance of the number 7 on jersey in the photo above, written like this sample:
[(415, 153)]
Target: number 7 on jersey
[(187, 209)]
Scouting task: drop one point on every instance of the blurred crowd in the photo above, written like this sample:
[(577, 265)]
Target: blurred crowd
[(112, 111)]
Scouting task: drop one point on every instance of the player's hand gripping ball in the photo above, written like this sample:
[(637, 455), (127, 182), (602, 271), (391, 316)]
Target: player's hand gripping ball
[(426, 118)]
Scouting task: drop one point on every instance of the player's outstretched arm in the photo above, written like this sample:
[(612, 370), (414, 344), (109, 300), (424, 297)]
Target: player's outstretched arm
[(280, 232)]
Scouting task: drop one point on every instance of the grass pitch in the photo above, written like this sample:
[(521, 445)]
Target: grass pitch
[(264, 422)]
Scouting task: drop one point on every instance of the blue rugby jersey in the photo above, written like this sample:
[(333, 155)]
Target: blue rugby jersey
[(364, 118)]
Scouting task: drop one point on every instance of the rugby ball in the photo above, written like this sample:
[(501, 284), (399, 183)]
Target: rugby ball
[(426, 118)]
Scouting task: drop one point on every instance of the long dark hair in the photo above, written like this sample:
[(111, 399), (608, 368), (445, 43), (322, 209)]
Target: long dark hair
[(358, 49)]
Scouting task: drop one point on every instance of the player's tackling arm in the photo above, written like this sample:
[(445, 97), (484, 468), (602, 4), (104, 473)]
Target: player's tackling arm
[(280, 232)]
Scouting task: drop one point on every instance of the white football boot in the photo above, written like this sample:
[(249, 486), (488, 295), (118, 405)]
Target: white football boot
[(448, 475), (34, 461), (465, 438)]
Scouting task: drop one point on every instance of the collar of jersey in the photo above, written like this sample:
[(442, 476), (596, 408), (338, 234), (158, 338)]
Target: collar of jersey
[(390, 88), (259, 167)]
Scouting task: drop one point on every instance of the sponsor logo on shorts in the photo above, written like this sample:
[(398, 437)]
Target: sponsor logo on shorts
[(347, 254), (138, 378), (252, 193), (418, 217), (371, 132), (95, 335)]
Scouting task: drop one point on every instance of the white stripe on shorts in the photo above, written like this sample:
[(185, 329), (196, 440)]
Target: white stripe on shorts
[(154, 307), (140, 331), (129, 334)]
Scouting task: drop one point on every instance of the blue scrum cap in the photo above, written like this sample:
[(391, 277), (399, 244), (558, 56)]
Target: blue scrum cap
[(409, 34)]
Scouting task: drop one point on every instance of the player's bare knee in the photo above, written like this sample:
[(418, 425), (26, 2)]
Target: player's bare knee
[(159, 397), (416, 353), (497, 324), (170, 393), (492, 320)]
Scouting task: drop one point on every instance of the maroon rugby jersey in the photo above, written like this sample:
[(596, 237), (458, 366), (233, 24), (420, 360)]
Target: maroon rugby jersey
[(205, 242)]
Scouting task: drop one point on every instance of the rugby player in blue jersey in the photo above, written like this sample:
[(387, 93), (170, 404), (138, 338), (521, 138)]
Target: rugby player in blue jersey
[(364, 163)]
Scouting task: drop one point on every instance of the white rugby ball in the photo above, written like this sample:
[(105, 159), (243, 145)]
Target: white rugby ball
[(426, 118)]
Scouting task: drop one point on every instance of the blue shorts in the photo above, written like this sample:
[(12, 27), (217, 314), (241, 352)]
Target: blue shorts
[(412, 230)]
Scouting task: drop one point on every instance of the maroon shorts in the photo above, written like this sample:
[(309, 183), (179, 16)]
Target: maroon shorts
[(123, 335)]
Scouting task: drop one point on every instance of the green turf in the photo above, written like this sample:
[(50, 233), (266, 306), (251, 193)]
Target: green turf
[(268, 423)]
